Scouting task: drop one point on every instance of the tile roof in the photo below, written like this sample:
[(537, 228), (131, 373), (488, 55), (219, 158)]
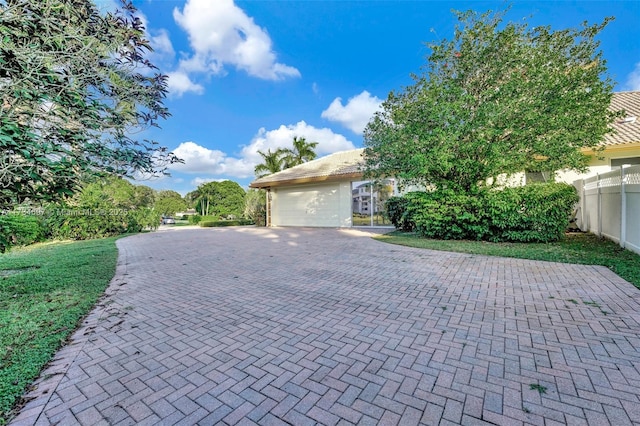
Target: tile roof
[(344, 164), (627, 131)]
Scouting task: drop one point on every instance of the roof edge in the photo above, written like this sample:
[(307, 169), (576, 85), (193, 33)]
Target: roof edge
[(612, 148), (316, 179)]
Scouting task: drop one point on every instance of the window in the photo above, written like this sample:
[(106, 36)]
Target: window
[(531, 177), (368, 202), (616, 163)]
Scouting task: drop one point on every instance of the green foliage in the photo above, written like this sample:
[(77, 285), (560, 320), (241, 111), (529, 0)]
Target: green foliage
[(255, 206), (195, 219), (447, 215), (537, 387), (284, 158), (536, 212), (218, 223), (144, 196), (103, 208), (18, 229), (396, 208), (301, 152), (54, 287), (531, 213), (273, 162), (499, 98), (168, 203), (220, 199), (75, 87)]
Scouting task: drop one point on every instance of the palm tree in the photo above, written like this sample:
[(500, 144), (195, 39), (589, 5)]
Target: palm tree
[(302, 152), (273, 162)]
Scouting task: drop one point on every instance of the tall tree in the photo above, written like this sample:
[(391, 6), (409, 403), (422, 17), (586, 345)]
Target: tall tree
[(273, 162), (220, 199), (169, 203), (144, 196), (191, 198), (499, 98), (74, 86), (301, 152), (284, 158)]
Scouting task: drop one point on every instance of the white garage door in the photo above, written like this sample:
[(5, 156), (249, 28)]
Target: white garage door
[(327, 205)]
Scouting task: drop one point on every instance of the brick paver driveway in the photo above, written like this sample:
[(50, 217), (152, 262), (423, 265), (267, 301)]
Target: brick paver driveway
[(302, 326)]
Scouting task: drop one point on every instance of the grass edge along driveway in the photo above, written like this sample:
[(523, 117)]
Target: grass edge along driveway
[(577, 248), (45, 291)]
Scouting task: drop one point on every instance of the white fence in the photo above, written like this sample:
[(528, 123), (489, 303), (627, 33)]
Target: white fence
[(610, 206)]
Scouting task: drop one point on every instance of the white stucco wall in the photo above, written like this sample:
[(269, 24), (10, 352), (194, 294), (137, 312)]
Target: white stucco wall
[(599, 166), (316, 205)]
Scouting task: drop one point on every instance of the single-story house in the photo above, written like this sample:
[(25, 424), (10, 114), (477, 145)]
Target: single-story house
[(622, 147), (317, 193), (331, 191)]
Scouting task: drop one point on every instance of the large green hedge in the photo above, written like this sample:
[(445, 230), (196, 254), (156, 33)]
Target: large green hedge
[(19, 229), (536, 212), (84, 224)]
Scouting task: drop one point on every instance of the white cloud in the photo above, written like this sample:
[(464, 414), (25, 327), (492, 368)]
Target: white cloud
[(633, 79), (196, 182), (221, 33), (205, 161), (282, 137), (161, 44), (356, 113), (315, 88), (180, 83), (198, 159)]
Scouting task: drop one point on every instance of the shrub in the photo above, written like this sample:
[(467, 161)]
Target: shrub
[(142, 218), (217, 223), (19, 229), (255, 206), (194, 219), (447, 215), (396, 208), (85, 224), (531, 213)]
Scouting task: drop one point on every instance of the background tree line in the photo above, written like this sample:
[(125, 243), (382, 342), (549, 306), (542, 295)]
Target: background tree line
[(112, 205)]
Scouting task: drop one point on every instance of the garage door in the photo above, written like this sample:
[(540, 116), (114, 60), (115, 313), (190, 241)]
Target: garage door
[(327, 205)]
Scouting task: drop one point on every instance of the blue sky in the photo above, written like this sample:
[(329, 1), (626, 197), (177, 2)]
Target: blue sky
[(250, 75)]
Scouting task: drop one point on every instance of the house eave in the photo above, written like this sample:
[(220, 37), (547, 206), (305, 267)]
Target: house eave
[(614, 148), (299, 181)]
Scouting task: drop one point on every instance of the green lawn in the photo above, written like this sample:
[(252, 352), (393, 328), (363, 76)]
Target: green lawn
[(585, 249), (363, 220), (45, 291)]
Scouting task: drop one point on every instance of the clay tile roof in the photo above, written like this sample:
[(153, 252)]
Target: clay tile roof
[(339, 165), (627, 129)]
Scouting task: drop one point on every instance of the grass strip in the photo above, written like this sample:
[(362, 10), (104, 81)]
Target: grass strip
[(578, 248), (45, 291)]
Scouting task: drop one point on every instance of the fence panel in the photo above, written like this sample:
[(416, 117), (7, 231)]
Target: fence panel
[(610, 206), (589, 203), (632, 210)]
